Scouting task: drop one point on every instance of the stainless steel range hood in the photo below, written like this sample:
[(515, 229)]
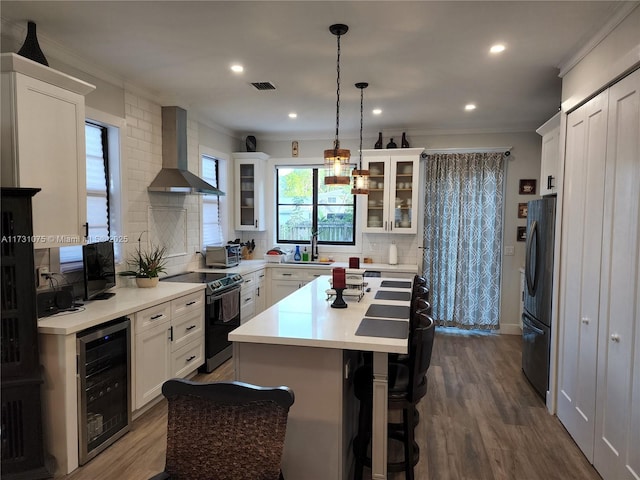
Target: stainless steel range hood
[(174, 176)]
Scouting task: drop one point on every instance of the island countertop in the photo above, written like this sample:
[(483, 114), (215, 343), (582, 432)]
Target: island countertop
[(306, 318)]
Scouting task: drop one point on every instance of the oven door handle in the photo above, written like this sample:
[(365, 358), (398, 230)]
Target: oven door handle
[(213, 298)]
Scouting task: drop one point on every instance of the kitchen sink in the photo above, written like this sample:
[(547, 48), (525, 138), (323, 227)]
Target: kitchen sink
[(307, 263)]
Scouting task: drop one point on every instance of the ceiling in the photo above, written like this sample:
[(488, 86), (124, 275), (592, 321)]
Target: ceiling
[(423, 60)]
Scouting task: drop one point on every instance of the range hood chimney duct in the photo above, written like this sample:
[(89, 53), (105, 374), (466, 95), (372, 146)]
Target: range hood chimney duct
[(174, 176)]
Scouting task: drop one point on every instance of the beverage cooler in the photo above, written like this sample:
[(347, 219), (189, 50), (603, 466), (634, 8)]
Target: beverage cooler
[(104, 386)]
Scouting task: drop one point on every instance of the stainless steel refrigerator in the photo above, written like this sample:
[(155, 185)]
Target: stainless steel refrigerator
[(538, 273)]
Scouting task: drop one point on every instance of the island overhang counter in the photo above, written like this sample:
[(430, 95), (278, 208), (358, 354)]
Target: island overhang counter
[(303, 343)]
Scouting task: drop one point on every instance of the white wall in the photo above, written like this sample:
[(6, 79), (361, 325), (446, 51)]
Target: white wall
[(524, 162)]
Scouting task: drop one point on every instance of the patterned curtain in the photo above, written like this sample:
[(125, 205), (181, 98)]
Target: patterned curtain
[(463, 238)]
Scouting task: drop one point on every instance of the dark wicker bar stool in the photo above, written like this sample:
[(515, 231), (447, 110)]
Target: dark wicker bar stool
[(224, 430)]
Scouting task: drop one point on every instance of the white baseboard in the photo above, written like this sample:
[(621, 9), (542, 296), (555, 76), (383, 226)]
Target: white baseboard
[(510, 329)]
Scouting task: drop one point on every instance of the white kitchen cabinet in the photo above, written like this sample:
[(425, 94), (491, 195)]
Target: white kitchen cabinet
[(599, 339), (43, 146), (550, 156), (169, 343), (153, 352), (249, 190), (284, 281), (252, 295), (392, 203)]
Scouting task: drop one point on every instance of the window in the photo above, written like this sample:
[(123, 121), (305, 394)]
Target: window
[(211, 229), (103, 203), (306, 205)]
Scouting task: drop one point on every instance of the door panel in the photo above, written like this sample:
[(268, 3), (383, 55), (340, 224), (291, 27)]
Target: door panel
[(616, 450), (580, 269)]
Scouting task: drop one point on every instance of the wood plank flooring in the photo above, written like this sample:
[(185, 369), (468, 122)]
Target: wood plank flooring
[(480, 420)]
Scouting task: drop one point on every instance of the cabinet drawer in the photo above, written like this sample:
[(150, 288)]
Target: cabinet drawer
[(186, 359), (287, 274), (247, 306), (250, 281), (152, 316), (188, 303), (187, 328), (312, 274)]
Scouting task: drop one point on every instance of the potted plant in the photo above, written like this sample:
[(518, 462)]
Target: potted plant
[(146, 266)]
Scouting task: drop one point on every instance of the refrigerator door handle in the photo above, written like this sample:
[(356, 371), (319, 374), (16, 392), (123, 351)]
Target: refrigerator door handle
[(525, 320), (531, 263)]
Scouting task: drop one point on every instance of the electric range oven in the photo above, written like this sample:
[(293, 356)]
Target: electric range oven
[(221, 315)]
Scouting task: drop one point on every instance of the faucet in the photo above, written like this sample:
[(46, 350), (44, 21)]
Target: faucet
[(314, 246)]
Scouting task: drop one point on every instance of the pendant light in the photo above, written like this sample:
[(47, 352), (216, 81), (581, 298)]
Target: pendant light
[(360, 177), (336, 159)]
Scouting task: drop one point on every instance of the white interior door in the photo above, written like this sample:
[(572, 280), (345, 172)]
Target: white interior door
[(580, 269), (617, 445)]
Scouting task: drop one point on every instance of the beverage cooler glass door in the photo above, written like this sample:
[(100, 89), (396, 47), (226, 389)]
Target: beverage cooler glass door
[(104, 399)]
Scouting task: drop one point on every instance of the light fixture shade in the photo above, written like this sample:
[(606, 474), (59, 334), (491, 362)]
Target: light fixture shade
[(336, 163), (360, 185)]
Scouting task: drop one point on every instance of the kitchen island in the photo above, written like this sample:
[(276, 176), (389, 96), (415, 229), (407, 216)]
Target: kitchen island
[(303, 343)]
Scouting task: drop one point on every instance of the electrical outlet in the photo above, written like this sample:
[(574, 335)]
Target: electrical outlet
[(509, 251), (42, 276)]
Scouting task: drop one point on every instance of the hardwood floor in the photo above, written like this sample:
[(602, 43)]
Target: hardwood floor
[(480, 420)]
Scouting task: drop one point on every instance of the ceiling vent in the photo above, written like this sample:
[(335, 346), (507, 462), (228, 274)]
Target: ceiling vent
[(263, 85)]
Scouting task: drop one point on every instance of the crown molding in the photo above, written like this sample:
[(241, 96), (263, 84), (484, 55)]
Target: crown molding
[(623, 11)]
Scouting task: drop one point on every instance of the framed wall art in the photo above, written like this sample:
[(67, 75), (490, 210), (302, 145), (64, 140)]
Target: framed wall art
[(522, 234), (527, 186), (522, 210)]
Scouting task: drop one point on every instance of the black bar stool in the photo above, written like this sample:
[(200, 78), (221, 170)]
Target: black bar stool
[(407, 385)]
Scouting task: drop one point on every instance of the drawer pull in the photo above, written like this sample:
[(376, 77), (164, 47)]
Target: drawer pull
[(287, 274), (247, 299), (191, 327), (261, 276), (247, 281), (191, 358), (154, 317), (191, 303)]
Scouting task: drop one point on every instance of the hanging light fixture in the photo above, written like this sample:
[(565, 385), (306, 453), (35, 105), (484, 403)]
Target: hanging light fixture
[(360, 177), (336, 159)]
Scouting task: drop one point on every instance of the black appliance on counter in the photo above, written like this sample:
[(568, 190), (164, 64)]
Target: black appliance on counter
[(538, 273), (221, 315), (104, 394)]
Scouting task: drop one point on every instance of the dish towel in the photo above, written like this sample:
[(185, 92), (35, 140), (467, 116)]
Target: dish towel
[(229, 306)]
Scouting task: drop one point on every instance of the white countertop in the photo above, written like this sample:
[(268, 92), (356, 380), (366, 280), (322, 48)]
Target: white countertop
[(126, 300), (247, 266), (305, 318)]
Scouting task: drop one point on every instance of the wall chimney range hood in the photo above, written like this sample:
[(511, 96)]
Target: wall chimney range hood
[(174, 176)]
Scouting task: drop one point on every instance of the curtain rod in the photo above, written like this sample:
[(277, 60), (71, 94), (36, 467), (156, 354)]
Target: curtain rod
[(431, 151)]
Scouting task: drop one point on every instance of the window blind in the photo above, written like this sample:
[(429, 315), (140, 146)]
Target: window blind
[(211, 229), (97, 192)]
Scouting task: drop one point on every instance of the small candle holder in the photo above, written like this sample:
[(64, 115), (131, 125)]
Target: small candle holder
[(339, 301)]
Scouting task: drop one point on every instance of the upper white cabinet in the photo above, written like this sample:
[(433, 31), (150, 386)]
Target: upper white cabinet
[(392, 203), (249, 197), (599, 300), (43, 146), (550, 133)]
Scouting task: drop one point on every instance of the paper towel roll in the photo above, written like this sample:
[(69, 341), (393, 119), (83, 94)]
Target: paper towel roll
[(393, 254)]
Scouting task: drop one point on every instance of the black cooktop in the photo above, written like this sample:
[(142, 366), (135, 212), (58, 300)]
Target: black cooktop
[(215, 281)]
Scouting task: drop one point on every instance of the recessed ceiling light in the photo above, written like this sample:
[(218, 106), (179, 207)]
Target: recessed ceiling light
[(469, 107), (376, 111), (237, 68), (497, 48), (293, 115)]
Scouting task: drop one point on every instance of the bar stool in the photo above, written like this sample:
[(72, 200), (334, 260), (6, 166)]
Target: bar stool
[(407, 385)]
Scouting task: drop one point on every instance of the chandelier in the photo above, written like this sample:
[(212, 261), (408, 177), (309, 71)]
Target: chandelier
[(336, 159), (360, 177)]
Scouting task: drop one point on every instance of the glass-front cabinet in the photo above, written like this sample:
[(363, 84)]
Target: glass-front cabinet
[(392, 203), (249, 190)]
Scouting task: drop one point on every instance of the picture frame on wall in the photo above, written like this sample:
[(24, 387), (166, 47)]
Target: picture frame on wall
[(521, 235), (527, 186), (522, 210)]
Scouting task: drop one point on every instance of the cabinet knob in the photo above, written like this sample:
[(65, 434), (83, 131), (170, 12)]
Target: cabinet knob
[(615, 338), (585, 320)]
